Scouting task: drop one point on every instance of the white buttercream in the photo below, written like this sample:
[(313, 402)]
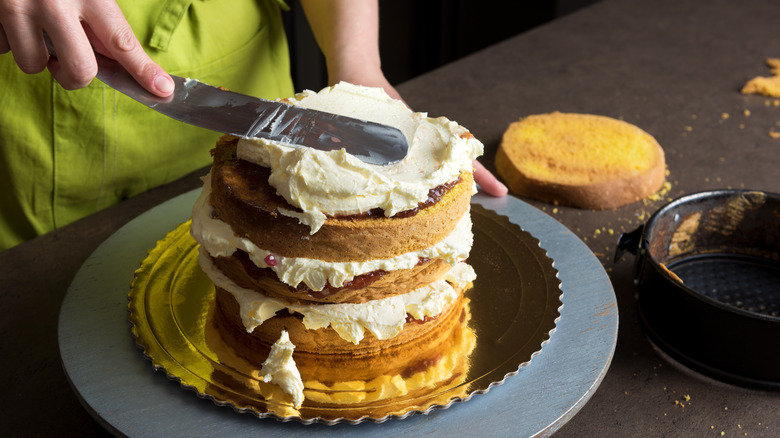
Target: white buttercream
[(337, 183), (383, 318), (220, 241), (279, 368)]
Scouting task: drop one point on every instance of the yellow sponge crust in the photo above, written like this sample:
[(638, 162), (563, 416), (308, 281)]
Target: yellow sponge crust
[(583, 160)]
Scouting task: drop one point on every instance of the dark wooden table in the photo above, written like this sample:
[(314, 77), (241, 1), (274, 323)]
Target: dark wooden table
[(672, 67)]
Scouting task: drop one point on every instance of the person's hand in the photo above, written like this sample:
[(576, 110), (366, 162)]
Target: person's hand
[(487, 181), (77, 28), (348, 35)]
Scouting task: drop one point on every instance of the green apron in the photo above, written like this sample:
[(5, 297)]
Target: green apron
[(67, 154)]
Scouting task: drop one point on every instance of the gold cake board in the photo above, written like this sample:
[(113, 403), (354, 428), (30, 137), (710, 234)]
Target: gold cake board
[(514, 305)]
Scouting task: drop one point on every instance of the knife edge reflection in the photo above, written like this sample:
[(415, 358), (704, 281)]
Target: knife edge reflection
[(224, 111)]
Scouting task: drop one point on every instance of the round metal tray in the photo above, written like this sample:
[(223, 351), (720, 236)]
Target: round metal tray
[(120, 389)]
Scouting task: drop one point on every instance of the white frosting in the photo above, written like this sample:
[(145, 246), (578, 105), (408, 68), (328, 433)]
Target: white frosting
[(336, 183), (279, 368), (383, 318), (220, 241)]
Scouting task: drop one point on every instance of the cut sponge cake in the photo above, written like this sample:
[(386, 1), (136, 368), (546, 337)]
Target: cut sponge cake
[(582, 160)]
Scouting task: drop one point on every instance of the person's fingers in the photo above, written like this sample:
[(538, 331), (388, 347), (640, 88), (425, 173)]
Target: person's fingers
[(74, 66), (487, 181), (4, 46), (112, 36), (70, 25), (24, 24), (23, 37)]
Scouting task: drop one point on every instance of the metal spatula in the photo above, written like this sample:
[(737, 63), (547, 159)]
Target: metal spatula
[(224, 111)]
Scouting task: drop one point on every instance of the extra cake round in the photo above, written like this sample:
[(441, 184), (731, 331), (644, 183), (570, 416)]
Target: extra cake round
[(581, 160), (344, 257)]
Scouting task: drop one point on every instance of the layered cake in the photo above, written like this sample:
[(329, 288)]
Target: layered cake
[(321, 252)]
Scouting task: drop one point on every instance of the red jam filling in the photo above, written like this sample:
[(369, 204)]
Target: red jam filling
[(434, 195), (410, 318)]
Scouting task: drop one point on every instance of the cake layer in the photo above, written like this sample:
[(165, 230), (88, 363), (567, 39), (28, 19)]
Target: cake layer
[(370, 286), (384, 318), (242, 197), (326, 340)]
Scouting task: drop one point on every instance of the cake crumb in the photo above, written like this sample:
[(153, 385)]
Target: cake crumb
[(746, 113), (724, 116), (766, 86), (665, 188), (774, 134)]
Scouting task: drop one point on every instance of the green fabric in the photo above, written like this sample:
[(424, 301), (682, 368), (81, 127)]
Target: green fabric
[(67, 154)]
